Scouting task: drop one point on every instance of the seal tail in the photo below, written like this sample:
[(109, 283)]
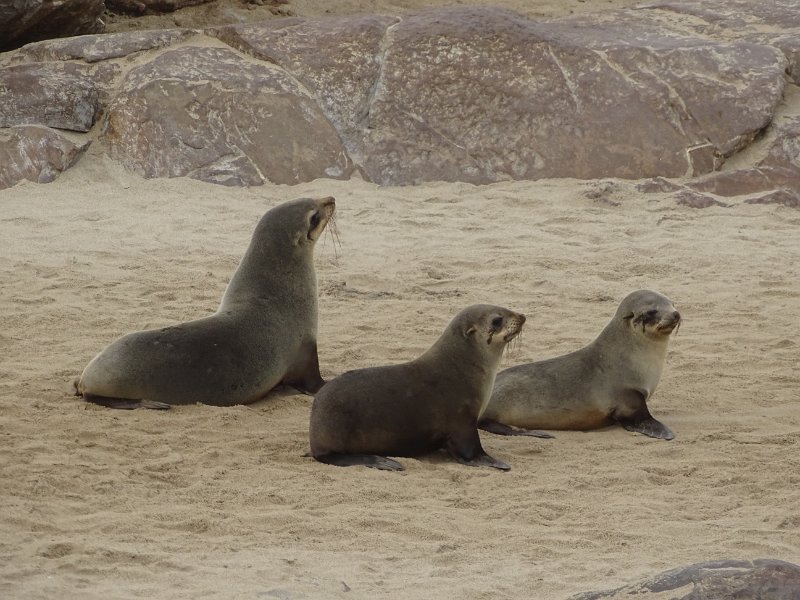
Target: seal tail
[(125, 403)]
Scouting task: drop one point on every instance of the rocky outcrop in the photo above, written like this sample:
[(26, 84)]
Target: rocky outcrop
[(35, 153), (721, 580), (458, 94), (209, 114), (23, 21)]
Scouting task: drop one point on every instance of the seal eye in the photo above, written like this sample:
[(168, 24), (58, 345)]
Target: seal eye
[(497, 322), (315, 219)]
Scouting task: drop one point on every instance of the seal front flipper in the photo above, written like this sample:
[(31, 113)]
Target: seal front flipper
[(649, 427), (304, 376), (640, 420), (500, 429), (368, 460), (125, 403), (466, 448)]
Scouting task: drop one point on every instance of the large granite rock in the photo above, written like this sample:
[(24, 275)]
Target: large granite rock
[(720, 580), (209, 114), (23, 21), (56, 95), (35, 153)]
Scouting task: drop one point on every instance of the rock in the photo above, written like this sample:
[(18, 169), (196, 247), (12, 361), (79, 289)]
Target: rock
[(657, 184), (780, 168), (769, 22), (508, 98), (35, 153), (763, 579), (337, 59), (209, 114), (694, 199), (23, 21), (60, 95), (141, 7), (94, 48), (785, 197)]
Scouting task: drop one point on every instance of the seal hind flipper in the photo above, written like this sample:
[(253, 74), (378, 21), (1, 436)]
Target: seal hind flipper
[(125, 403), (368, 460), (500, 429)]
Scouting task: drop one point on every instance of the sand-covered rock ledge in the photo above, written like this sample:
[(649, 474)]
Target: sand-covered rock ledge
[(205, 502)]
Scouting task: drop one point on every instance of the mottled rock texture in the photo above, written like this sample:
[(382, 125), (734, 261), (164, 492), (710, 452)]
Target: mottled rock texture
[(60, 95), (475, 94), (763, 579), (209, 114), (35, 153)]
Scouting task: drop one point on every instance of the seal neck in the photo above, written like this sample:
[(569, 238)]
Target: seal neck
[(267, 272)]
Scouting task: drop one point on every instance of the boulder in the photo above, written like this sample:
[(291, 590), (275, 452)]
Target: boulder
[(35, 153), (763, 579), (23, 21), (60, 95), (336, 59), (94, 48), (209, 114)]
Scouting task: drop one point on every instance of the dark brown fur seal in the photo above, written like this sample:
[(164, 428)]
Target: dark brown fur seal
[(417, 407), (263, 334), (608, 381)]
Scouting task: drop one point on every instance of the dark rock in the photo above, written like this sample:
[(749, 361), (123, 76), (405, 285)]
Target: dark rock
[(24, 21), (785, 197), (35, 153), (140, 7), (209, 114), (694, 199), (763, 579), (56, 95), (93, 48), (657, 184)]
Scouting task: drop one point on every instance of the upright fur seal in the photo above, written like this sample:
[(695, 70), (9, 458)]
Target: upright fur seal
[(263, 334), (417, 407), (607, 381)]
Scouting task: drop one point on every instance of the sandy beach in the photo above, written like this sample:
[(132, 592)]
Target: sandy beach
[(221, 502)]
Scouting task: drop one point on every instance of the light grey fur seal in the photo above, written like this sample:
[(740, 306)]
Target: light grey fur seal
[(263, 334), (608, 381), (417, 407)]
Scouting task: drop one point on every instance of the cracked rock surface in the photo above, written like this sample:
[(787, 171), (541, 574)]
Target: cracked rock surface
[(475, 94)]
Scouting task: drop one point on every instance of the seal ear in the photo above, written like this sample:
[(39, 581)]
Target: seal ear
[(470, 332)]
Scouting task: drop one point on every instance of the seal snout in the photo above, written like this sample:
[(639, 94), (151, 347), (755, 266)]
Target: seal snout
[(514, 327), (670, 322)]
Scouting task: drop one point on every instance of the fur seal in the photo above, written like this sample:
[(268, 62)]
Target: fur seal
[(263, 334), (419, 406), (608, 381)]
